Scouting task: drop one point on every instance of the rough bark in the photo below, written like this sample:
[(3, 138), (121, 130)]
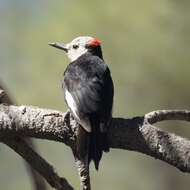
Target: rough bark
[(135, 134), (37, 181), (132, 134)]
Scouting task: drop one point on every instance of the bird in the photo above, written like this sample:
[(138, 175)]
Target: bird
[(89, 91)]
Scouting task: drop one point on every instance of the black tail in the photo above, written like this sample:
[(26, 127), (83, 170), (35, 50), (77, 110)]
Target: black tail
[(93, 143), (97, 143), (82, 144)]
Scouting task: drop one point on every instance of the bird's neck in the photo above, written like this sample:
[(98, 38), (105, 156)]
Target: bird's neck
[(96, 51)]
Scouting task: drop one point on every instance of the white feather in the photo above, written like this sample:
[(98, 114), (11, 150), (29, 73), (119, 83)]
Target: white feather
[(73, 107), (81, 41), (71, 103)]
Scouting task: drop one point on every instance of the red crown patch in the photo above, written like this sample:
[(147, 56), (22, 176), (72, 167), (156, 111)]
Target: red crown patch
[(94, 42)]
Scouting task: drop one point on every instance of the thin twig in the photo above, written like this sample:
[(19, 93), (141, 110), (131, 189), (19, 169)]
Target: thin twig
[(83, 171), (163, 115)]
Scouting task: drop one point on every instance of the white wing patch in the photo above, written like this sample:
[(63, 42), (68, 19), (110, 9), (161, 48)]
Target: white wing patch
[(71, 103)]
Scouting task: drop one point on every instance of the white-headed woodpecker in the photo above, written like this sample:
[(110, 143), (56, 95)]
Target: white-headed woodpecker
[(89, 93)]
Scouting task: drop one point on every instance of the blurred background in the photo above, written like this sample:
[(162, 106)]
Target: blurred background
[(147, 47)]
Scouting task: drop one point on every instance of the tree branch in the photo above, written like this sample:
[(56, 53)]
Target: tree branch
[(38, 181), (83, 171), (131, 134), (37, 162), (138, 135), (161, 115), (25, 147)]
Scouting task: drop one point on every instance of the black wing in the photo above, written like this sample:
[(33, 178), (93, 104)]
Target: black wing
[(89, 82)]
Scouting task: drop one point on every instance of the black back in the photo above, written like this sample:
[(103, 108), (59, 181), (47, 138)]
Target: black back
[(89, 82)]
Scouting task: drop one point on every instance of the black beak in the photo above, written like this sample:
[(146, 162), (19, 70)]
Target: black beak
[(59, 46)]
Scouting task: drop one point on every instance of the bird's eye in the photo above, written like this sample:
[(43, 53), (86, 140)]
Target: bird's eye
[(75, 46)]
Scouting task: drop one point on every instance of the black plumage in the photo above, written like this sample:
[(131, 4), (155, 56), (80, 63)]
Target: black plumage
[(89, 95), (89, 82)]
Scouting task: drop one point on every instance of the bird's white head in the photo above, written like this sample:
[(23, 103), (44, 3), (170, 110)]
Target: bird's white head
[(78, 46)]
